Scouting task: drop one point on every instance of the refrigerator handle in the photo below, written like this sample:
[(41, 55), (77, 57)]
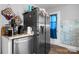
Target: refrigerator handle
[(42, 29)]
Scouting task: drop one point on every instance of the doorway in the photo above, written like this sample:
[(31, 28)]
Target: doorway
[(55, 27)]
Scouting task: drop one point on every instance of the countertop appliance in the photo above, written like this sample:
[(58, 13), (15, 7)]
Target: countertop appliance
[(41, 27)]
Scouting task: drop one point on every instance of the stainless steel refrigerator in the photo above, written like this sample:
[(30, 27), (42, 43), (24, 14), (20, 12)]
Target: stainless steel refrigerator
[(41, 27)]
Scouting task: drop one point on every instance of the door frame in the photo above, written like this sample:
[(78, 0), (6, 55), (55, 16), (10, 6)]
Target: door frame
[(52, 41)]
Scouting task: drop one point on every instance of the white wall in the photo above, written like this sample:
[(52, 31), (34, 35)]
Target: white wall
[(19, 9), (68, 13)]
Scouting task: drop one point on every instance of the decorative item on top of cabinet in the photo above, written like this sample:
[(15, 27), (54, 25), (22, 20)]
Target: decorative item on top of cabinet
[(7, 13), (18, 20)]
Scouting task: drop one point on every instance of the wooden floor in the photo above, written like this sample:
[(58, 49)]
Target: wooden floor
[(60, 50)]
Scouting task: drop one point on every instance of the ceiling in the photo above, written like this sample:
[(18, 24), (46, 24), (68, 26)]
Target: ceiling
[(49, 6)]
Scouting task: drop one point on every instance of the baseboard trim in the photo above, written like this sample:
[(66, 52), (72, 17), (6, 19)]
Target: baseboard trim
[(70, 48)]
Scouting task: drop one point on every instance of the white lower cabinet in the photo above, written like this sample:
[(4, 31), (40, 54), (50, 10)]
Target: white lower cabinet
[(21, 45)]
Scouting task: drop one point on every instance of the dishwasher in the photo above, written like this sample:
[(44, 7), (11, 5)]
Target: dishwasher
[(23, 45)]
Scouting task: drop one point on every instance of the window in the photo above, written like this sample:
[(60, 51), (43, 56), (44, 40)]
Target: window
[(53, 28)]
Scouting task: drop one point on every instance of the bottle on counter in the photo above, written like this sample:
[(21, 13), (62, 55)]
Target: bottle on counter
[(10, 31)]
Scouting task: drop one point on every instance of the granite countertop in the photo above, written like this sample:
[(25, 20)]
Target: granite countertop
[(19, 36)]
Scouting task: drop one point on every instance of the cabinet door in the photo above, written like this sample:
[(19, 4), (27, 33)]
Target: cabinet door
[(23, 45)]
